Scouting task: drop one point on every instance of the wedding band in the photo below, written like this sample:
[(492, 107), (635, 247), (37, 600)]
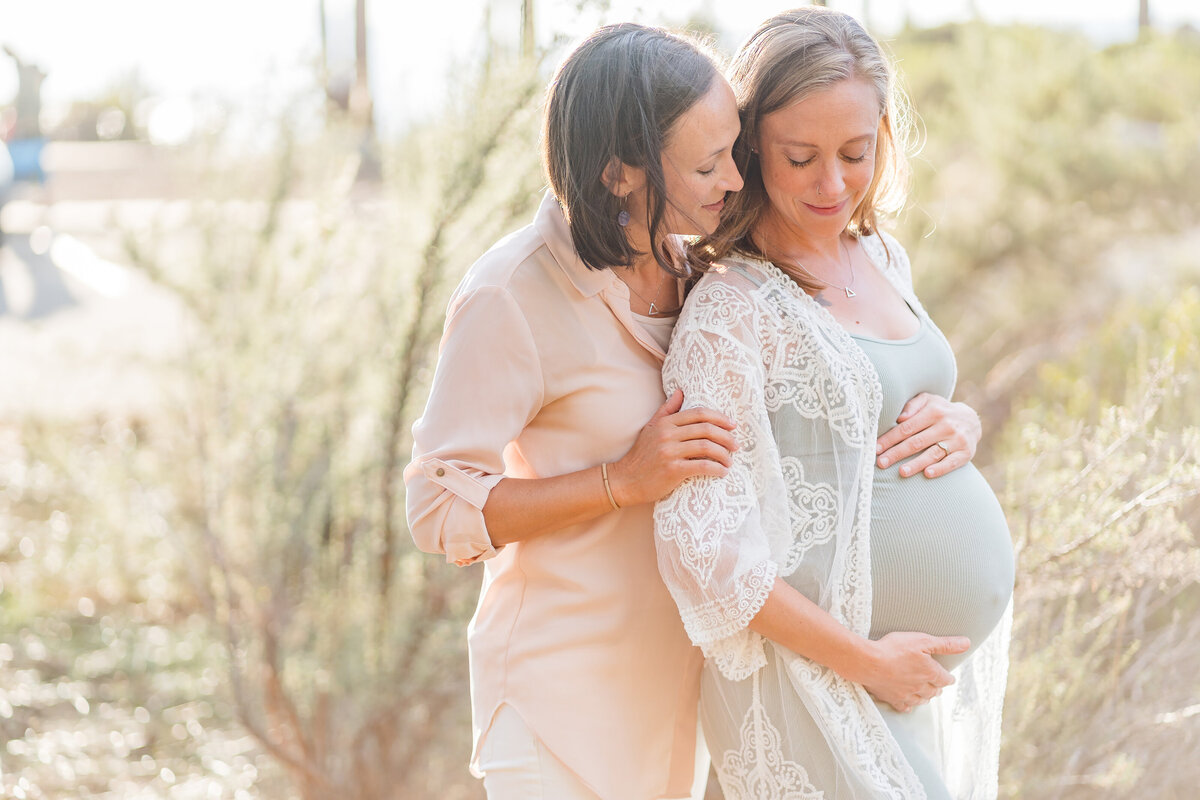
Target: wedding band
[(945, 449)]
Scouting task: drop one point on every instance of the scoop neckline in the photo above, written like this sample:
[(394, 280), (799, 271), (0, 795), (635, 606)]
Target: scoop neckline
[(779, 274), (906, 340)]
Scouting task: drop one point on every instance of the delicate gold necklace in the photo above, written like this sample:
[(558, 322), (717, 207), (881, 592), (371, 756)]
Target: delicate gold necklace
[(653, 303), (849, 292)]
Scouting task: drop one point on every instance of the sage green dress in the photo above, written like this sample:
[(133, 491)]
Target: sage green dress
[(941, 554)]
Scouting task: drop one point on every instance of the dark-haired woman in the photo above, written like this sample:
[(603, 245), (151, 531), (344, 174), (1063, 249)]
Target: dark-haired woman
[(546, 438)]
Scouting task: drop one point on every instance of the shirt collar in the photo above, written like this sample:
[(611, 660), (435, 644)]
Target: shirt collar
[(552, 226)]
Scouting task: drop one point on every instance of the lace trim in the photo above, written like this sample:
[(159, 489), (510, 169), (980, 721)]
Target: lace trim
[(739, 656), (724, 616), (855, 729), (820, 372), (758, 769)]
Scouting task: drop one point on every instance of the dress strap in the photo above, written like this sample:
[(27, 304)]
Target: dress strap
[(742, 270)]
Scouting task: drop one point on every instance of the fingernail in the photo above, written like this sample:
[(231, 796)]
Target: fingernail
[(906, 471), (878, 448), (883, 462)]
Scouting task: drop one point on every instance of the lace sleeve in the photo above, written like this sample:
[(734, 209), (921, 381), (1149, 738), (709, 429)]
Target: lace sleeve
[(713, 552)]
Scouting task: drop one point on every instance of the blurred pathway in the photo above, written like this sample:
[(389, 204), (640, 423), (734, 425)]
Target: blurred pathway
[(80, 333), (31, 286)]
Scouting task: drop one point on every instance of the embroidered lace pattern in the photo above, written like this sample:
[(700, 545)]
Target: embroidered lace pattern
[(759, 770), (796, 504)]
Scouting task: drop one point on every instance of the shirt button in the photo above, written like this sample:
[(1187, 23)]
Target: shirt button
[(440, 472)]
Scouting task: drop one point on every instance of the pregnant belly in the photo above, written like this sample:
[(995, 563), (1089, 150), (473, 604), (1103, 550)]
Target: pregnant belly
[(941, 557)]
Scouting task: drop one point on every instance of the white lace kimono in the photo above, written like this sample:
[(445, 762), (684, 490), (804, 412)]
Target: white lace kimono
[(797, 504)]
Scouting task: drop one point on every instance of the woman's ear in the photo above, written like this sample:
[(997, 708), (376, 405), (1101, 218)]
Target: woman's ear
[(622, 179)]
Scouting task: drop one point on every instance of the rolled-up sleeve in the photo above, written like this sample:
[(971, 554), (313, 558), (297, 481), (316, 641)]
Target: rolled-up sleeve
[(486, 388)]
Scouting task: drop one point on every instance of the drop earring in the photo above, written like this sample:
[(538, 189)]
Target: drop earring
[(623, 214)]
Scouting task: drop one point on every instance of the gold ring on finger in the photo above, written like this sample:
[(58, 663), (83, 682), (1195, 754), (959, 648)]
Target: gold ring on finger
[(945, 449)]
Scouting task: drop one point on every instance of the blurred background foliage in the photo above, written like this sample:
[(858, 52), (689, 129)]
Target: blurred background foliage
[(219, 598)]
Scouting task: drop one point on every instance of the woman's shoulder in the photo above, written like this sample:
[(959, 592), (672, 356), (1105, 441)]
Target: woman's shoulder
[(888, 254), (740, 272), (731, 295), (504, 261), (520, 270), (732, 282)]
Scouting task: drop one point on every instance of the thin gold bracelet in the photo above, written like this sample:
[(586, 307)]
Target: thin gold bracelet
[(607, 487)]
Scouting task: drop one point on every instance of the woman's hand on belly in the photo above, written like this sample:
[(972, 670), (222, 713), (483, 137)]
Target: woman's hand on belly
[(898, 669), (902, 671), (673, 446), (926, 424)]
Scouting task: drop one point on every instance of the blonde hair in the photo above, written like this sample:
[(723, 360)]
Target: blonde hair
[(791, 56)]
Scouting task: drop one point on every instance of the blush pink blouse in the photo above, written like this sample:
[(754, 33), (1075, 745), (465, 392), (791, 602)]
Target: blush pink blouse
[(543, 371)]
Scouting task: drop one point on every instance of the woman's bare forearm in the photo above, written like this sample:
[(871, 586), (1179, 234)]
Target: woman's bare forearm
[(673, 446), (525, 508), (802, 626), (898, 669)]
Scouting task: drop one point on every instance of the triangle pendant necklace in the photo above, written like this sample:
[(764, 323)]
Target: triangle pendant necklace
[(654, 310), (849, 261), (849, 292)]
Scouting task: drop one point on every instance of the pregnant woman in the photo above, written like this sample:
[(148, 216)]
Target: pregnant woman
[(534, 453), (830, 595)]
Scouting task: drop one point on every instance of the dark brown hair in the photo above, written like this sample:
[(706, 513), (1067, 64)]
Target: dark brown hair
[(789, 57), (617, 95)]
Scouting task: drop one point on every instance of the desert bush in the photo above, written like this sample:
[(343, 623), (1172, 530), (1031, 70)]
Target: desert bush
[(109, 681), (1043, 154), (1103, 480), (313, 328), (1047, 200), (289, 606)]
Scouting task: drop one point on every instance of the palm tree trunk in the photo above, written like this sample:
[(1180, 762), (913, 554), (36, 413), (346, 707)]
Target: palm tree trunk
[(527, 30), (324, 68), (362, 109), (360, 96)]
